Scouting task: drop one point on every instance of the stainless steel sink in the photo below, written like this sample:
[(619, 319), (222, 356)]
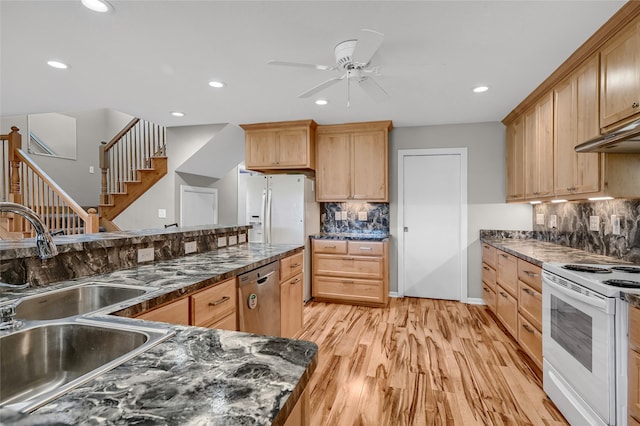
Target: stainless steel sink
[(42, 362), (76, 300)]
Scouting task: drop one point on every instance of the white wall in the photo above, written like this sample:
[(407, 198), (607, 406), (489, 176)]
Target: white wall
[(486, 186)]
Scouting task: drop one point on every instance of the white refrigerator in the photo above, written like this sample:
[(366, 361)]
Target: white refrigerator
[(283, 210)]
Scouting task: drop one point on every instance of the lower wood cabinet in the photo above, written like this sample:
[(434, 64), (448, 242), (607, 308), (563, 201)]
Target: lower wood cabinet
[(300, 414), (176, 312), (292, 295), (351, 271), (507, 310), (633, 391)]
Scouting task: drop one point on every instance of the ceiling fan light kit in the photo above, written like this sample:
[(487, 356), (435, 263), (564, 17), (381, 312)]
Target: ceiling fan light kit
[(353, 57)]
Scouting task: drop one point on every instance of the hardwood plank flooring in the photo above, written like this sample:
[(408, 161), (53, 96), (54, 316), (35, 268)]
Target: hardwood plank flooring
[(420, 362)]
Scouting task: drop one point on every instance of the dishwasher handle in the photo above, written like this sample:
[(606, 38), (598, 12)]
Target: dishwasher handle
[(264, 279)]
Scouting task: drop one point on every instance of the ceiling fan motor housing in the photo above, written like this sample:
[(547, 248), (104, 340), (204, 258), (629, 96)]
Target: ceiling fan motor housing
[(344, 52)]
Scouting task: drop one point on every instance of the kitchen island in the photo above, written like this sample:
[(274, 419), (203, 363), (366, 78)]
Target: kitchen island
[(198, 376)]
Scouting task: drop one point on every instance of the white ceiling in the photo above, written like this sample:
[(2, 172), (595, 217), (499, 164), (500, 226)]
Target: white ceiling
[(148, 58)]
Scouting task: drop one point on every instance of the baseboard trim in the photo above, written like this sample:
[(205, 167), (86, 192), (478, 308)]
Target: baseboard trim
[(475, 301), (393, 294)]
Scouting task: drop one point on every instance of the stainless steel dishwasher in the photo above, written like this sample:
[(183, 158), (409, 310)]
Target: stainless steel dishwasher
[(259, 300)]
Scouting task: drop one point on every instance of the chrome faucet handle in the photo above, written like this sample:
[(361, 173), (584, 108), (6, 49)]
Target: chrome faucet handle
[(7, 317)]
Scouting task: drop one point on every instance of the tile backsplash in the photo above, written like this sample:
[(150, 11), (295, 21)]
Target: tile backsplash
[(354, 217), (573, 222)]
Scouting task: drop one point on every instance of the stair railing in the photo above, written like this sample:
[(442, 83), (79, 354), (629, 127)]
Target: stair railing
[(24, 182), (129, 151)]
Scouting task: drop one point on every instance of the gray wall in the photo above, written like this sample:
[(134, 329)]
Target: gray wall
[(486, 186)]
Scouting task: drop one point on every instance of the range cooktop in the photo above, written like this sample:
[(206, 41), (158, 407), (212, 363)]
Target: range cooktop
[(608, 280)]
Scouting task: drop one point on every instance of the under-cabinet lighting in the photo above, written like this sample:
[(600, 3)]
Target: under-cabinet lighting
[(216, 84), (58, 64), (558, 201), (480, 89), (600, 198), (101, 6), (177, 114), (535, 202), (322, 102)]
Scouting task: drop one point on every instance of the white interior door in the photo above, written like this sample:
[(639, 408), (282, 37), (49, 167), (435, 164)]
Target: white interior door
[(432, 214), (198, 206)]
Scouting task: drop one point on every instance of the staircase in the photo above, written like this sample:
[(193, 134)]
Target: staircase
[(131, 163)]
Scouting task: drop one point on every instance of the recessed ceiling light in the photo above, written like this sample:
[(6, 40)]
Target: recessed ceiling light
[(480, 89), (322, 102), (216, 84), (58, 64), (177, 113), (101, 6)]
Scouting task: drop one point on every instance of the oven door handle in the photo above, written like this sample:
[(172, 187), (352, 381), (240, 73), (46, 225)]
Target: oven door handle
[(596, 302)]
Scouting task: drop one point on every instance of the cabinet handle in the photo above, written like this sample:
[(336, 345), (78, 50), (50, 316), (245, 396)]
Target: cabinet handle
[(526, 327), (217, 302), (529, 292), (506, 256), (485, 289), (486, 268), (503, 294), (635, 105), (295, 265), (366, 248), (296, 281), (347, 281), (330, 247), (530, 274)]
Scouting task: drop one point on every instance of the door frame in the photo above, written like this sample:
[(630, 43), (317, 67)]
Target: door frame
[(463, 153)]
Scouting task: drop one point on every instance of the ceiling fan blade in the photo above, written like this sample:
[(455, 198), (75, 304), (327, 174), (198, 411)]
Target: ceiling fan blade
[(321, 87), (373, 89), (367, 45), (301, 65)]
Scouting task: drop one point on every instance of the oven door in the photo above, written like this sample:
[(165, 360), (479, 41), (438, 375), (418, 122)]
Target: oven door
[(578, 345)]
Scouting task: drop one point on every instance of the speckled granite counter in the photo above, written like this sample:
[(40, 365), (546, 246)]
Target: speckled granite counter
[(199, 376), (537, 252), (356, 236)]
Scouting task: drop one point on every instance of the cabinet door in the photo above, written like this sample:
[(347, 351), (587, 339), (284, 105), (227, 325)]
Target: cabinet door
[(539, 149), (333, 168), (369, 171), (620, 77), (507, 311), (530, 339), (587, 175), (507, 272), (174, 313), (291, 304), (565, 137), (214, 303), (530, 304), (515, 160), (292, 148), (260, 149), (489, 297)]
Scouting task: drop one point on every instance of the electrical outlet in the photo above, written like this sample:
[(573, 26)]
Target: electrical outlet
[(222, 242), (345, 215), (540, 219), (242, 238), (145, 255), (594, 223), (162, 213), (190, 247), (615, 224), (338, 215), (362, 216), (553, 221), (233, 240)]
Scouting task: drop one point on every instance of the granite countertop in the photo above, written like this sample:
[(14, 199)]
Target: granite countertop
[(198, 376), (356, 236), (538, 252)]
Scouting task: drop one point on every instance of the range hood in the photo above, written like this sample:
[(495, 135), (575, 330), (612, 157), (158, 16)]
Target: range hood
[(624, 140)]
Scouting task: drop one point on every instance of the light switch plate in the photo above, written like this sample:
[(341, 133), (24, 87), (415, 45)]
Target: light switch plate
[(594, 223), (162, 213), (190, 247), (540, 219), (553, 221), (145, 255), (345, 215), (615, 224), (362, 216), (222, 242), (233, 240)]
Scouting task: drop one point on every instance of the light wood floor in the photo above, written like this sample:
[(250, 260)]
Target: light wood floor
[(419, 362)]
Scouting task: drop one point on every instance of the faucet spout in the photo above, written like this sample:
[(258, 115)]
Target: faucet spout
[(44, 242)]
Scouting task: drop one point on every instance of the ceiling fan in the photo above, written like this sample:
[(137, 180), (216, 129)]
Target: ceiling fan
[(353, 57)]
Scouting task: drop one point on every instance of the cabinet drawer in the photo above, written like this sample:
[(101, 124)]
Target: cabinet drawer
[(507, 310), (227, 323), (489, 276), (348, 266), (291, 306), (291, 266), (489, 297), (530, 274), (633, 395), (507, 272), (330, 246), (634, 327), (530, 304), (489, 255), (213, 304), (351, 290), (174, 313), (365, 248), (530, 339)]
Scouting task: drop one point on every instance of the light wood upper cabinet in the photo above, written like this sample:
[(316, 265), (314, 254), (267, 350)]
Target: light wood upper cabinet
[(620, 78), (515, 160), (353, 162), (576, 121), (538, 124), (280, 146)]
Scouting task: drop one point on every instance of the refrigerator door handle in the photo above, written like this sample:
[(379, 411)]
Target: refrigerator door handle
[(268, 216), (263, 218)]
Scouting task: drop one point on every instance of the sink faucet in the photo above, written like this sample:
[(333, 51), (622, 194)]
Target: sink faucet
[(44, 242)]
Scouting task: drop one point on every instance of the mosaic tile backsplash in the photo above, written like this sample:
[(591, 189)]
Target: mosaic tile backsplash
[(354, 217), (571, 227)]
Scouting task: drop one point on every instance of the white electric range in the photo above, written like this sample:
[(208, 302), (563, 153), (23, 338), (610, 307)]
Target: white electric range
[(584, 346)]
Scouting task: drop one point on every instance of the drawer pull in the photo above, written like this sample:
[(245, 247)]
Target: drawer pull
[(365, 248), (331, 247), (217, 302), (506, 256), (485, 288), (296, 281), (503, 294), (530, 274), (347, 281), (295, 265), (526, 327), (486, 268), (529, 292)]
